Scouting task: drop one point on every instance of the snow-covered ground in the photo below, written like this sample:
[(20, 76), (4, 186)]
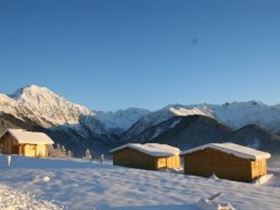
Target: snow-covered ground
[(12, 199), (86, 185)]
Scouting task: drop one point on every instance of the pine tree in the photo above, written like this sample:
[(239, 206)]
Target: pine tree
[(69, 154), (88, 155), (63, 151), (58, 151), (102, 158)]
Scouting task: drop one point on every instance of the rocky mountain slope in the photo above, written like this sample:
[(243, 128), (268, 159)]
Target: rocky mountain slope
[(185, 132), (119, 121), (77, 127), (234, 115), (191, 131), (240, 114), (257, 137), (38, 108), (159, 116)]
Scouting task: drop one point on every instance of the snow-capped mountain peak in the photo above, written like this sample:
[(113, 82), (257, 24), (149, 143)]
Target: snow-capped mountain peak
[(41, 97), (44, 108), (239, 114), (7, 104), (162, 115), (55, 109), (51, 110), (121, 119), (30, 90), (182, 111)]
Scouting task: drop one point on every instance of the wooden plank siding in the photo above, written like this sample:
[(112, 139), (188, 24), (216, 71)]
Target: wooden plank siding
[(9, 145), (223, 165), (169, 162), (259, 168), (132, 158), (128, 157)]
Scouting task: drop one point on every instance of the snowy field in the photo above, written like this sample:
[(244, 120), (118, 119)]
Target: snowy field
[(87, 185), (12, 199)]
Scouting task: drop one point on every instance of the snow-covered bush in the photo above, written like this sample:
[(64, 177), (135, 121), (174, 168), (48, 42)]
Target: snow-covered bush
[(88, 155), (102, 158), (63, 150), (57, 151), (69, 154)]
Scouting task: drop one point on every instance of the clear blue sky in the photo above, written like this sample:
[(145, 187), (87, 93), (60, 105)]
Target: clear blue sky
[(117, 54)]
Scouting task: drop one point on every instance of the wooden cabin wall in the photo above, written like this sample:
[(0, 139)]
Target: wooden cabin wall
[(8, 142), (29, 150), (34, 150), (132, 158), (208, 161), (169, 162), (258, 168), (11, 146), (41, 150)]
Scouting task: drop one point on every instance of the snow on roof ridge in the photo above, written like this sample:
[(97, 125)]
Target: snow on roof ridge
[(234, 149), (153, 149), (24, 136)]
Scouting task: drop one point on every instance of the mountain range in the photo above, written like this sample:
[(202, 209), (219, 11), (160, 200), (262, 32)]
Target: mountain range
[(77, 127)]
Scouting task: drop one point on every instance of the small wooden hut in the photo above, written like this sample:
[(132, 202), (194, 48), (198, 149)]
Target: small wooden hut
[(151, 156), (26, 143), (227, 161)]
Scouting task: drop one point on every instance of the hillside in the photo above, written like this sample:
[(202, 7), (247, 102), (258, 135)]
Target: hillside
[(77, 184), (194, 131), (257, 137), (121, 120), (12, 199), (191, 131), (39, 109), (157, 117), (234, 115), (185, 132), (77, 139), (78, 127)]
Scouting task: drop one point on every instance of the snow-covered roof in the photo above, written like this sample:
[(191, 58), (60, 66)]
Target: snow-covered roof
[(152, 149), (234, 149), (28, 137)]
